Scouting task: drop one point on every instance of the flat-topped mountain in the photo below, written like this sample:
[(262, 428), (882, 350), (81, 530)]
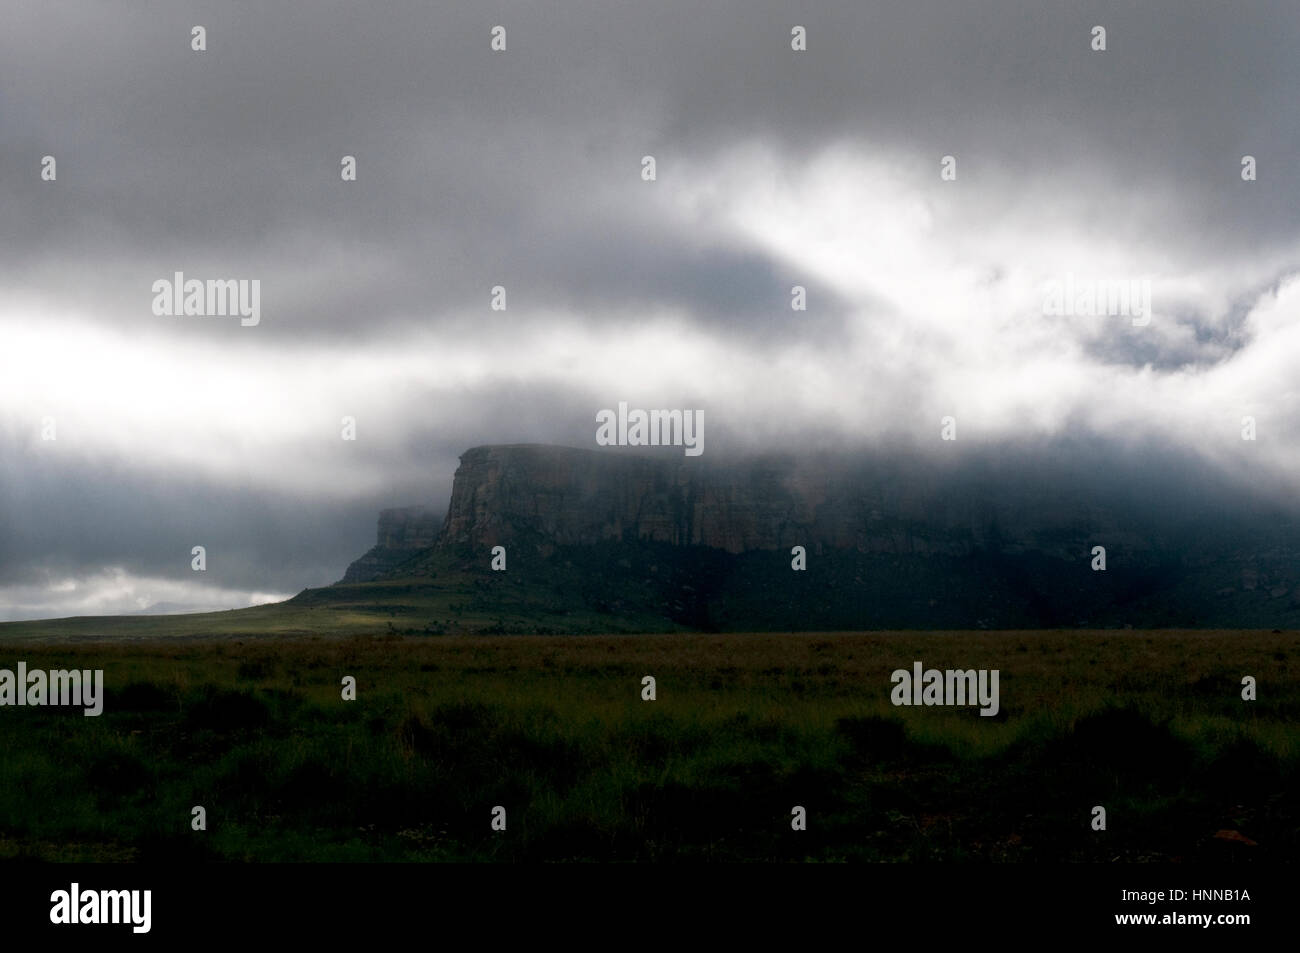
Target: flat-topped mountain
[(566, 496), (893, 540)]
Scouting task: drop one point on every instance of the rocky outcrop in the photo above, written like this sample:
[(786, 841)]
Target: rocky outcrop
[(900, 541), (412, 527), (568, 496), (548, 496), (402, 533)]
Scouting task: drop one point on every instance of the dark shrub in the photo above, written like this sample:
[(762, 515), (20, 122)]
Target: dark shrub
[(140, 697), (228, 711), (873, 736)]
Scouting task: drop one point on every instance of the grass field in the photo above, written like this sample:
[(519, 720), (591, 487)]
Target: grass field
[(1149, 725)]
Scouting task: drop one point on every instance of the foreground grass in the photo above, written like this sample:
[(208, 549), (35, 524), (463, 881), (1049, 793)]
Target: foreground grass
[(1149, 725)]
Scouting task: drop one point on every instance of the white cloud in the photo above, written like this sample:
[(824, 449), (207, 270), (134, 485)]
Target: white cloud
[(114, 591)]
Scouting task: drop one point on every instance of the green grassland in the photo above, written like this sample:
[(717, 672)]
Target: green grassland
[(249, 723)]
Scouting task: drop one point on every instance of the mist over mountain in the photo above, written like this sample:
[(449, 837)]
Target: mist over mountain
[(893, 540)]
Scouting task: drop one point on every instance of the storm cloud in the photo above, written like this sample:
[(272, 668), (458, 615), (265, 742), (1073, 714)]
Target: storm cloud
[(522, 169)]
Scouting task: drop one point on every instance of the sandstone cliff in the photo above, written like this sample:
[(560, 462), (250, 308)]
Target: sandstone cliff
[(901, 541), (402, 533), (563, 496), (546, 496)]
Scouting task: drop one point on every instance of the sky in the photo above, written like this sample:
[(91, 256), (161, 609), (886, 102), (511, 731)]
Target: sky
[(824, 168)]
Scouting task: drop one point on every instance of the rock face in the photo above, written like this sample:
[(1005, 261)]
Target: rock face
[(567, 496), (549, 496), (411, 527), (402, 533), (899, 541)]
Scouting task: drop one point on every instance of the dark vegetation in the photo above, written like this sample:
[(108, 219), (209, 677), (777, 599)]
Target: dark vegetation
[(1150, 725)]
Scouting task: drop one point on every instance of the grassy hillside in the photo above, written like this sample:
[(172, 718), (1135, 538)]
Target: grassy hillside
[(440, 593)]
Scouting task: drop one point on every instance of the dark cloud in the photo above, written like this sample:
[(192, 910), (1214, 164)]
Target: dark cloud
[(522, 170)]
